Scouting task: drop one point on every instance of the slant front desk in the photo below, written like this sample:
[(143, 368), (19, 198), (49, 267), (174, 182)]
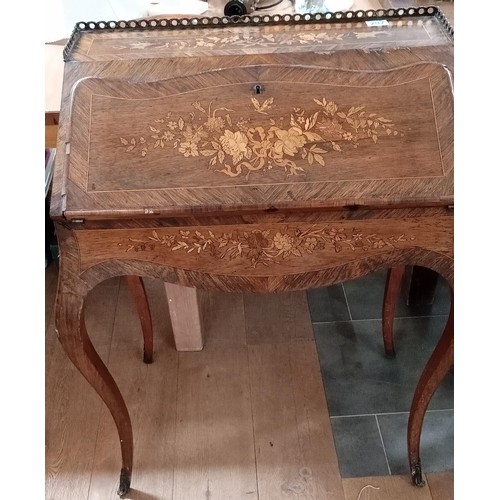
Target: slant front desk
[(255, 154)]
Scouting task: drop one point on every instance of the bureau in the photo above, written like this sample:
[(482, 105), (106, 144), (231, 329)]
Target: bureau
[(256, 154)]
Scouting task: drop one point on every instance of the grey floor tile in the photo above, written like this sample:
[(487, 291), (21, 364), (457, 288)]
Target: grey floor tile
[(328, 304), (359, 446), (436, 445), (359, 379), (365, 298)]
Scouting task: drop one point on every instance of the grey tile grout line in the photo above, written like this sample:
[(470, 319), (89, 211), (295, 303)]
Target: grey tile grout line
[(383, 446), (346, 302), (387, 413), (379, 319)]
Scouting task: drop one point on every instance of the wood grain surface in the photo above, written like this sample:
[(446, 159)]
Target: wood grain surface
[(194, 433), (264, 250), (68, 457), (209, 145), (242, 171), (293, 323), (441, 485), (214, 439), (264, 39), (302, 461), (384, 488), (187, 307), (206, 80)]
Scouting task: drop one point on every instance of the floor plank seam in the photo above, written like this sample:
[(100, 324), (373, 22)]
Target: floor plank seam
[(253, 421), (174, 475)]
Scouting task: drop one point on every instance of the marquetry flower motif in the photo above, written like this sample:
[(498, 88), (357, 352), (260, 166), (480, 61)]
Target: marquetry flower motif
[(236, 146), (189, 149), (264, 247), (289, 141), (214, 124), (379, 244), (283, 242), (311, 243)]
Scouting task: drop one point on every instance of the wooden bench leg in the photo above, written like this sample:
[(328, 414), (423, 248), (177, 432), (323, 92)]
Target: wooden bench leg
[(186, 313), (391, 294), (439, 364), (136, 287)]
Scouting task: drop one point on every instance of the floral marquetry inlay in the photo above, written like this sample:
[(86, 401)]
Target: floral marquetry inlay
[(266, 246), (232, 146), (239, 40)]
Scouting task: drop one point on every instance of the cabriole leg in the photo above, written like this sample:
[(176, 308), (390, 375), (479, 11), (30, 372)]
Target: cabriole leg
[(72, 334), (391, 293), (138, 291), (439, 364)]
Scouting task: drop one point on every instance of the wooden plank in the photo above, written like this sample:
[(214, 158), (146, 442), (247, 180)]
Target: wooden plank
[(51, 118), (277, 318), (186, 306), (150, 392), (384, 488), (441, 485), (72, 411), (51, 135), (72, 407), (51, 275), (225, 323), (294, 445), (215, 456)]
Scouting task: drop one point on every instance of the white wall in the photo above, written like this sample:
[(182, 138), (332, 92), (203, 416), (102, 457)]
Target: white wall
[(62, 15)]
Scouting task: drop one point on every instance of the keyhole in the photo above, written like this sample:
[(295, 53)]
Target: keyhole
[(258, 89)]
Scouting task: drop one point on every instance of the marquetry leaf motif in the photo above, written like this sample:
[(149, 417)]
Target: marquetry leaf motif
[(232, 40), (261, 108), (234, 148), (268, 246)]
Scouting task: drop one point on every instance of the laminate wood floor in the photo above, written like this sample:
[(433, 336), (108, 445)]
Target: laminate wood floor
[(246, 418)]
